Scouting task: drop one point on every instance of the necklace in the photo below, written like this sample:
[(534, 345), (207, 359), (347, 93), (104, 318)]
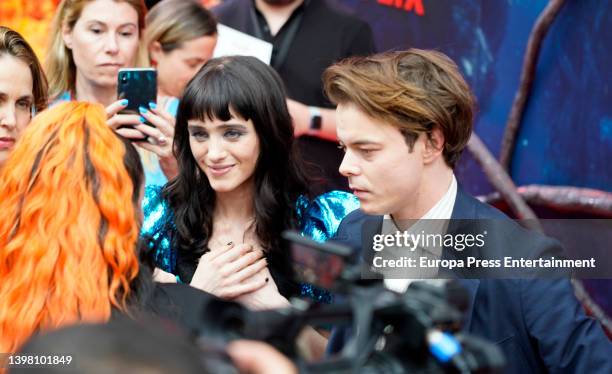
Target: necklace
[(222, 241)]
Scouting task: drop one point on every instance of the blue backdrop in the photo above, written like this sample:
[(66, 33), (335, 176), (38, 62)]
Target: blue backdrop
[(566, 133)]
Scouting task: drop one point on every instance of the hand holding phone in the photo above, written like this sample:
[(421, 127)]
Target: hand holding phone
[(123, 124), (139, 87), (136, 90)]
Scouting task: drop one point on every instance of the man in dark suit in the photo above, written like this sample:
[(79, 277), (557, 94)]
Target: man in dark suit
[(403, 119)]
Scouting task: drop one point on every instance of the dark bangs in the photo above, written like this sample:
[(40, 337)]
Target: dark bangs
[(217, 88), (253, 91)]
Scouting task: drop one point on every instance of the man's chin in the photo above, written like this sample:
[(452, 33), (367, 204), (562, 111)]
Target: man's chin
[(371, 209)]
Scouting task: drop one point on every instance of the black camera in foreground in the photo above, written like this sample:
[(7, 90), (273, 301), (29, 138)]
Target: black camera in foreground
[(383, 331)]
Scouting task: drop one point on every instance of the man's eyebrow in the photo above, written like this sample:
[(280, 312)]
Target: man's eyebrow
[(364, 142)]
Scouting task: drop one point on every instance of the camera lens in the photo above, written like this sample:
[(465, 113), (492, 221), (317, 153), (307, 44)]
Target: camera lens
[(124, 79)]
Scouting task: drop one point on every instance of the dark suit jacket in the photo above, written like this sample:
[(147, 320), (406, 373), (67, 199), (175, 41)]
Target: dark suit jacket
[(538, 323)]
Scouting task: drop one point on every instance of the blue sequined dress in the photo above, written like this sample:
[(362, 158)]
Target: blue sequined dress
[(318, 219)]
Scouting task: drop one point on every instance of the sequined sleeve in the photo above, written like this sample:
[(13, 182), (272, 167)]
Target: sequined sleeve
[(157, 228), (319, 220)]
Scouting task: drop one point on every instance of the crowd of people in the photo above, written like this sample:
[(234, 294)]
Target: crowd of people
[(111, 219)]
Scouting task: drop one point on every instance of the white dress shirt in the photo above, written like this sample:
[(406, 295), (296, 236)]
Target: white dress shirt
[(437, 219)]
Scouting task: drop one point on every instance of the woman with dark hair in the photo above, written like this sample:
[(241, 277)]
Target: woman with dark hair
[(218, 225)]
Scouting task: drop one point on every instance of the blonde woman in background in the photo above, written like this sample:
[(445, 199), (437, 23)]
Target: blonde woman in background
[(90, 41), (180, 36)]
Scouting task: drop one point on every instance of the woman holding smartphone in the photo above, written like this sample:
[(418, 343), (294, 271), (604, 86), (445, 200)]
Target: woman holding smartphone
[(90, 41), (180, 37)]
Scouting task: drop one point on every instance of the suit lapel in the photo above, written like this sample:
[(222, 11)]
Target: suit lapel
[(465, 209), (371, 226), (471, 286), (464, 206)]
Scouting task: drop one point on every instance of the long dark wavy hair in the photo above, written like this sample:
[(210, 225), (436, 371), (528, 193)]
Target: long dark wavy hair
[(253, 91)]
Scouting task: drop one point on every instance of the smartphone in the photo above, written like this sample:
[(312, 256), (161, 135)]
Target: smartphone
[(139, 86), (320, 264)]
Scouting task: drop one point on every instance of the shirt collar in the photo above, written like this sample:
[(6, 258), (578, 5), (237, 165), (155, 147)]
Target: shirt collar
[(443, 209), (441, 212), (263, 24)]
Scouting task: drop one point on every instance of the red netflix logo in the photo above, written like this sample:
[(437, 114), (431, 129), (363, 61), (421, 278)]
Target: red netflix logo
[(407, 5)]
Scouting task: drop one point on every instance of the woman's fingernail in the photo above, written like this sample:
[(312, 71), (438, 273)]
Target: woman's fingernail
[(152, 105), (143, 120), (142, 110), (124, 102)]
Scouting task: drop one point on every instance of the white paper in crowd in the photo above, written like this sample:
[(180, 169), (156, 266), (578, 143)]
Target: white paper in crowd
[(233, 42)]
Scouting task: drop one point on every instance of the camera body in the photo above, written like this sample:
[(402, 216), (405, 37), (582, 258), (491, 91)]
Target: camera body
[(386, 332)]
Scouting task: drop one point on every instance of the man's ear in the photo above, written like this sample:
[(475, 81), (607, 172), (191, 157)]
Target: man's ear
[(434, 145), (155, 52), (67, 36)]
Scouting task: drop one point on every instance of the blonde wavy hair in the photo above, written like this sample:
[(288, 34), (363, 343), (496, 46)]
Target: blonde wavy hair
[(59, 64), (69, 232), (174, 22)]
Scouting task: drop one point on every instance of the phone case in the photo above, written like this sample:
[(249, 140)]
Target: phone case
[(139, 86)]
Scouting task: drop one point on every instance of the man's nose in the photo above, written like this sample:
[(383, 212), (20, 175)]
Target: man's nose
[(349, 166)]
